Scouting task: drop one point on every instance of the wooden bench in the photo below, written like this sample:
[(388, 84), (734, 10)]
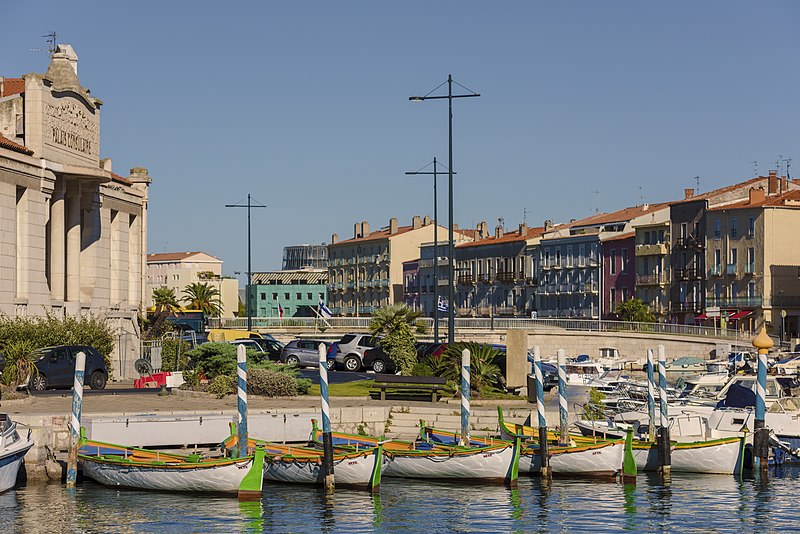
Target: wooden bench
[(397, 383)]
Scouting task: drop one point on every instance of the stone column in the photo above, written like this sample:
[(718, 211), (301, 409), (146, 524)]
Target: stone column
[(73, 257), (23, 250), (134, 261), (57, 235)]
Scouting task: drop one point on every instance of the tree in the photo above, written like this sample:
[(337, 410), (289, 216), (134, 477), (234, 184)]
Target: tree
[(398, 326), (203, 297), (634, 310), (164, 299)]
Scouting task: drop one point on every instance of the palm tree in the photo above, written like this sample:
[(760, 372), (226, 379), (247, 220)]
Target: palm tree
[(388, 318), (203, 297), (397, 325), (164, 300)]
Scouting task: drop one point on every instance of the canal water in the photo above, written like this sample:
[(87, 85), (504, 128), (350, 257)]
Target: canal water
[(699, 503)]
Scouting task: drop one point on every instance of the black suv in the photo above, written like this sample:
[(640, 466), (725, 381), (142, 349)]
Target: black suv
[(56, 367)]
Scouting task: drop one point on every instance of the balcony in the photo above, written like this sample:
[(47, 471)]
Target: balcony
[(687, 273), (654, 279), (735, 302), (466, 279), (688, 243), (653, 249), (716, 270), (693, 307), (484, 279), (505, 277), (749, 268), (730, 269)]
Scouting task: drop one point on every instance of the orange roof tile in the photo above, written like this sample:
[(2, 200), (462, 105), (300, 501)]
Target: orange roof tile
[(625, 214), (508, 237), (789, 199), (383, 233), (16, 147), (11, 86), (121, 179), (174, 256), (721, 190), (621, 237)]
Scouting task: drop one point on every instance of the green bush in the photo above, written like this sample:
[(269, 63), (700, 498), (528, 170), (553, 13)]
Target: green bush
[(169, 354), (222, 385), (484, 372), (19, 365), (422, 369), (269, 383), (191, 380), (214, 359), (303, 385)]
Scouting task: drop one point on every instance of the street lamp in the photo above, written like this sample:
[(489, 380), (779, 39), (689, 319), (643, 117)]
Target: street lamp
[(435, 249), (249, 206), (451, 318), (783, 316)]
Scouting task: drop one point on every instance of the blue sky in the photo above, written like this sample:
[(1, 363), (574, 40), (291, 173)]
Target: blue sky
[(305, 106)]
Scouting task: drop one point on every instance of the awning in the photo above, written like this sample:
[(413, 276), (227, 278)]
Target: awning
[(701, 317), (739, 315)]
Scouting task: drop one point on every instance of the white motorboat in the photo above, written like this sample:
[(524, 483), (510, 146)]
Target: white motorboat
[(13, 448)]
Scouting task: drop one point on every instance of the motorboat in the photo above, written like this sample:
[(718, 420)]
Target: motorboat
[(13, 448), (686, 364)]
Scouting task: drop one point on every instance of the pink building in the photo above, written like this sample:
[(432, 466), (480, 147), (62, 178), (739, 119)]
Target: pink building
[(619, 273)]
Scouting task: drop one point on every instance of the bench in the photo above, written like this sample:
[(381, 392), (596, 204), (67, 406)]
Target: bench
[(397, 383)]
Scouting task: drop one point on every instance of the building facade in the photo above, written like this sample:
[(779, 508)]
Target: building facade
[(653, 264), (177, 270), (411, 284), (296, 292), (74, 232), (619, 275), (366, 271), (305, 257)]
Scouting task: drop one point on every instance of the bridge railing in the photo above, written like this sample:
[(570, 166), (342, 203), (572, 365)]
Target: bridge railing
[(361, 324)]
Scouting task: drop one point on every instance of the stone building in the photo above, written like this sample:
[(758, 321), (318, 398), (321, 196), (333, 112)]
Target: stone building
[(73, 234)]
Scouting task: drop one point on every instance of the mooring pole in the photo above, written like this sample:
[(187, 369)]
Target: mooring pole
[(327, 440), (543, 453), (563, 408), (664, 460), (465, 397), (760, 433), (75, 422), (651, 395), (241, 390)]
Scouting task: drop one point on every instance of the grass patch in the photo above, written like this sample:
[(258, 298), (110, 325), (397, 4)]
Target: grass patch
[(358, 388)]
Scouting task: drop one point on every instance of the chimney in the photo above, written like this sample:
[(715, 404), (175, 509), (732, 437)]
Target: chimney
[(523, 230), (772, 183), (756, 195), (356, 230), (784, 184), (393, 226), (364, 229), (105, 164), (455, 227), (548, 225), (498, 231), (334, 239), (426, 221), (645, 207), (416, 222), (140, 178), (688, 193)]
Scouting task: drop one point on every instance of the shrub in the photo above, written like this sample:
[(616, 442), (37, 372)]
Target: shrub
[(222, 385), (214, 359), (484, 373), (303, 385), (191, 380), (271, 384), (19, 366), (170, 347), (422, 369)]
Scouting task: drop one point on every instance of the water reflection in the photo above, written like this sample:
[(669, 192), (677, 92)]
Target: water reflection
[(705, 503)]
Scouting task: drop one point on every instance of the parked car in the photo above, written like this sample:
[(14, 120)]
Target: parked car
[(352, 348), (304, 353), (56, 368), (377, 360), (430, 349), (269, 347)]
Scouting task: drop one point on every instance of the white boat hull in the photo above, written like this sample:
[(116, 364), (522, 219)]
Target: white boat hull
[(216, 478), (598, 462), (355, 472), (493, 465), (10, 462), (722, 459)]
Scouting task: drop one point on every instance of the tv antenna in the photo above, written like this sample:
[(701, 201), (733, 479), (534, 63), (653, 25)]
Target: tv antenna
[(524, 215), (755, 168), (502, 222), (697, 184), (597, 201), (52, 42)]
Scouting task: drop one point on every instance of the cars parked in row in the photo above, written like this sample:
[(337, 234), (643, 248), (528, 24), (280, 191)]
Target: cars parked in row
[(55, 368), (305, 353), (352, 348), (269, 347)]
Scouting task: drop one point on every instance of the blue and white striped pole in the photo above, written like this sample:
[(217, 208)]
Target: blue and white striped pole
[(465, 385), (651, 393), (763, 343), (327, 439), (664, 461), (241, 390), (543, 453), (75, 421), (563, 408)]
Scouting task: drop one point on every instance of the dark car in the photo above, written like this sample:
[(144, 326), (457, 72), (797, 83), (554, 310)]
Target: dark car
[(430, 349), (55, 368), (304, 352), (377, 360), (269, 347)]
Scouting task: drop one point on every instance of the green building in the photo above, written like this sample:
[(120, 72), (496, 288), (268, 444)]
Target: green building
[(298, 292)]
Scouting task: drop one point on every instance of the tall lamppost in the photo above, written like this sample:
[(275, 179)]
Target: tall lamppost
[(435, 249), (249, 206), (451, 317)]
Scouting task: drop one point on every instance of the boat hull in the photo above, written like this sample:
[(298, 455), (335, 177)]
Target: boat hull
[(709, 457), (601, 460), (10, 463), (214, 478), (491, 465), (352, 470)]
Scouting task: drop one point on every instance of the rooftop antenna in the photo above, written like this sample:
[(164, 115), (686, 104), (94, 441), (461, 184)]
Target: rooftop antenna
[(597, 201), (697, 182), (524, 215), (52, 41), (641, 196), (755, 168), (502, 222)]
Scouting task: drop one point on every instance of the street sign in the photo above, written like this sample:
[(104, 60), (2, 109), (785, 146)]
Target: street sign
[(713, 311)]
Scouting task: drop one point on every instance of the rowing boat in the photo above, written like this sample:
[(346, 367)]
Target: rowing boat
[(13, 448), (715, 456)]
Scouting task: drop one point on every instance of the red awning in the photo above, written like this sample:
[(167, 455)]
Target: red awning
[(739, 315), (701, 317)]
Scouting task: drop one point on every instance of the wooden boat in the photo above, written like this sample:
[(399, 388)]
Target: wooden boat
[(487, 463), (303, 465), (601, 459), (584, 456), (13, 448), (722, 456), (130, 467)]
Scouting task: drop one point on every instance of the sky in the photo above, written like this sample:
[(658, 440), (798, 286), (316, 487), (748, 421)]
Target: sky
[(304, 106)]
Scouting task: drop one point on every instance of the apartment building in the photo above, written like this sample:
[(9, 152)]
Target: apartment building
[(653, 264), (288, 293)]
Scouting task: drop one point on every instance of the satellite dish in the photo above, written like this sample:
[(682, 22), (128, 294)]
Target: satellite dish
[(143, 367)]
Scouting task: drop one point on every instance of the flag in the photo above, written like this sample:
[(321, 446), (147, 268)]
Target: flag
[(280, 309), (442, 305), (323, 310)]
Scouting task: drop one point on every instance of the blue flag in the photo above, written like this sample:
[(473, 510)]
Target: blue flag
[(442, 305)]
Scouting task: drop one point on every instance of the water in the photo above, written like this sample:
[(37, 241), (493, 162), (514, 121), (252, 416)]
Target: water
[(689, 504)]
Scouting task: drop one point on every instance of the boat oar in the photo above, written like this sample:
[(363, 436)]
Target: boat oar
[(251, 485)]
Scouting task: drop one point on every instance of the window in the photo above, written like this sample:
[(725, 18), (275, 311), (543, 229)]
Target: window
[(286, 296), (717, 258), (751, 226), (569, 255), (645, 265), (624, 260), (263, 296), (558, 257), (612, 255), (274, 296), (717, 229), (696, 230), (751, 290), (309, 296), (298, 296), (734, 229), (684, 230), (734, 256), (581, 255), (612, 297), (624, 294)]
